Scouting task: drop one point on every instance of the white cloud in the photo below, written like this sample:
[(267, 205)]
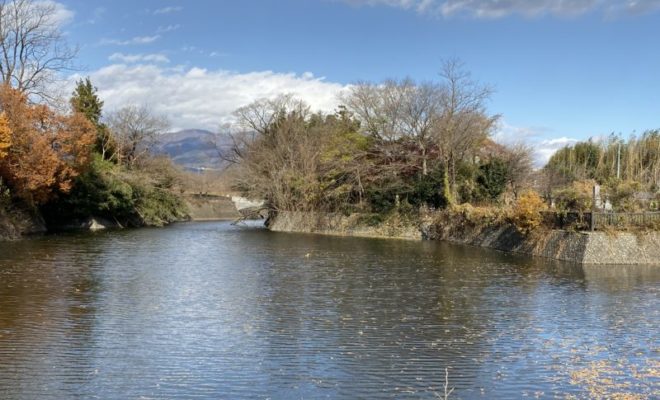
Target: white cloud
[(543, 147), (490, 9), (97, 15), (168, 10), (132, 41), (497, 9), (418, 5), (546, 148), (168, 28), (61, 15), (200, 98), (134, 58), (200, 51), (509, 134)]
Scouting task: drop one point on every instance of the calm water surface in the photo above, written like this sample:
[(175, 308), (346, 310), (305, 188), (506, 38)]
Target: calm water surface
[(213, 311)]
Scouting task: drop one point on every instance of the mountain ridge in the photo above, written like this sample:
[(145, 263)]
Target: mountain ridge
[(194, 149)]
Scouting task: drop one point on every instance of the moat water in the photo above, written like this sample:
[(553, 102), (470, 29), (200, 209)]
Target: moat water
[(208, 310)]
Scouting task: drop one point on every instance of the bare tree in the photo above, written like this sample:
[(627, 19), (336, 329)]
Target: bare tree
[(381, 108), (281, 165), (365, 101), (261, 115), (396, 110), (32, 47), (464, 122), (448, 117), (519, 166), (135, 129), (420, 111)]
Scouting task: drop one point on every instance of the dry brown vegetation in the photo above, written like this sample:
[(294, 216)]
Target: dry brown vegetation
[(43, 152), (395, 145)]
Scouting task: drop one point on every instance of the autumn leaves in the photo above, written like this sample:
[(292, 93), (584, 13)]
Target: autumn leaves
[(41, 150)]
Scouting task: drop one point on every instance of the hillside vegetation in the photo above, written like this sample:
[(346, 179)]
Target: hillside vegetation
[(403, 146), (72, 166)]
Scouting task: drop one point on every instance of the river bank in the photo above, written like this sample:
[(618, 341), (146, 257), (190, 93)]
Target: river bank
[(211, 208), (577, 247), (17, 223)]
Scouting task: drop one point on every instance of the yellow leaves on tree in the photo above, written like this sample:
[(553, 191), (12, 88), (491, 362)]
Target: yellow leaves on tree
[(46, 150), (527, 213), (5, 135)]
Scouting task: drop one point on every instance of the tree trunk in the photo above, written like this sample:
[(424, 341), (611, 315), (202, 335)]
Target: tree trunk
[(446, 190), (424, 164)]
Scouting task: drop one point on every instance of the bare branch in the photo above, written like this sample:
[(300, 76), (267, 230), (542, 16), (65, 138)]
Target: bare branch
[(136, 129), (32, 47)]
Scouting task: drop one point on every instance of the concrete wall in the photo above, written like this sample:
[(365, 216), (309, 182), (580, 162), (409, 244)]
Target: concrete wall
[(207, 208), (340, 225), (579, 247)]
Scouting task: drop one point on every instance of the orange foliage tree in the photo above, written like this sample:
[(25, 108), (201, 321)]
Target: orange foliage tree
[(45, 150), (527, 213), (5, 136)]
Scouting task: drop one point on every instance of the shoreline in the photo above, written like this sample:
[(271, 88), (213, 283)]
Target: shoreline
[(592, 248), (586, 248)]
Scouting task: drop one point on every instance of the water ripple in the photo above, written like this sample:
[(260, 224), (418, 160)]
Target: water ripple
[(205, 311)]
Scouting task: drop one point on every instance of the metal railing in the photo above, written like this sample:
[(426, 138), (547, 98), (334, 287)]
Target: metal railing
[(600, 220), (624, 219)]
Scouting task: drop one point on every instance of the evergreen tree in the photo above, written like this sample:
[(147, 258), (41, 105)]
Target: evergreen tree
[(492, 178), (86, 101)]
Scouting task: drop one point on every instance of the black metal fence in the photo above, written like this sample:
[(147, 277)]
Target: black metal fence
[(601, 220), (625, 219)]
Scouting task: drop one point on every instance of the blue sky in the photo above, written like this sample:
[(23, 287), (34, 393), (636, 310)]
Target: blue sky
[(562, 69)]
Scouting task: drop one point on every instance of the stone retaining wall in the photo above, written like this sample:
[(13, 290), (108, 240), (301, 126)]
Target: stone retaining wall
[(579, 247), (206, 208), (340, 225)]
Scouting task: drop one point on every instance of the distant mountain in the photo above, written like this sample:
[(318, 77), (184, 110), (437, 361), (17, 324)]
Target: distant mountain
[(194, 148)]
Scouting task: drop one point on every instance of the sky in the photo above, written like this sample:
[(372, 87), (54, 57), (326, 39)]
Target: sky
[(562, 70)]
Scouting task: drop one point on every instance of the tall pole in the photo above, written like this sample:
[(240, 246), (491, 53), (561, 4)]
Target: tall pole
[(618, 162)]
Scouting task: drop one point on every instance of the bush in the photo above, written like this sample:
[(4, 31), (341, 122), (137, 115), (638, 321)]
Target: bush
[(622, 195), (99, 191), (577, 197), (381, 200), (131, 197), (413, 191), (526, 216), (474, 216), (156, 206), (492, 179), (466, 186), (371, 219), (5, 197), (429, 190)]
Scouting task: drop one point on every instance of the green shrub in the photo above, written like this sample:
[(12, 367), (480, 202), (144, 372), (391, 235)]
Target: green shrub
[(156, 206), (622, 195), (428, 190), (577, 197), (381, 200), (5, 197), (371, 219), (109, 191), (492, 179)]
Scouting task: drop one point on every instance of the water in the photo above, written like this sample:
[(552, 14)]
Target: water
[(206, 311)]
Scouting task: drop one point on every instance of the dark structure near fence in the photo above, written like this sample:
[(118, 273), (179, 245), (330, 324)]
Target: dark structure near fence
[(625, 219), (600, 220)]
